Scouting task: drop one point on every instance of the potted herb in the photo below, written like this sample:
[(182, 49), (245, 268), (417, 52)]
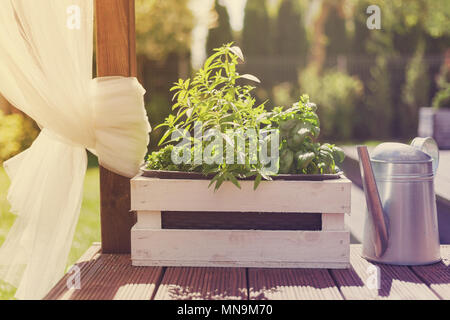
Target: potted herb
[(435, 121), (220, 136), (215, 112)]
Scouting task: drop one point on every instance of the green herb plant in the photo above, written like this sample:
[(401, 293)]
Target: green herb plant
[(216, 98), (300, 153)]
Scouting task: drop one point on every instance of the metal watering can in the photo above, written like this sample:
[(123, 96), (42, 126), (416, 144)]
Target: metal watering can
[(401, 221)]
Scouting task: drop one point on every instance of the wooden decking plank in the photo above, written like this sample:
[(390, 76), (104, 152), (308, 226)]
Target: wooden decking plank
[(437, 276), (108, 277), (97, 269), (85, 263), (292, 284), (397, 282), (116, 279), (203, 284)]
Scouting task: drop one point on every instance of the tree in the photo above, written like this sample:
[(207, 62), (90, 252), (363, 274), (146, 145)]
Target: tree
[(398, 83), (163, 40), (163, 28), (415, 93), (290, 36), (320, 35), (220, 33), (336, 34), (256, 31), (379, 103)]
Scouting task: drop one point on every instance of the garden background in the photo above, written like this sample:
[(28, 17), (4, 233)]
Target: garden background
[(368, 84)]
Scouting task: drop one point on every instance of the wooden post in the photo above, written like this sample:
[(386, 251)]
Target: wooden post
[(116, 56)]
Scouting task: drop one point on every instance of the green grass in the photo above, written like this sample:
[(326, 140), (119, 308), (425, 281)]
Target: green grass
[(88, 228)]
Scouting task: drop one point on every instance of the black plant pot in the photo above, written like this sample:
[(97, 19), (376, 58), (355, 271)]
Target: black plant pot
[(163, 174)]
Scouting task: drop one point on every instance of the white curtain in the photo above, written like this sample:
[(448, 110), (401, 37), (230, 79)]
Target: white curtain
[(46, 71)]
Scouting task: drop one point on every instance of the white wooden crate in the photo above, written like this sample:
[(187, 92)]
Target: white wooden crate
[(151, 245)]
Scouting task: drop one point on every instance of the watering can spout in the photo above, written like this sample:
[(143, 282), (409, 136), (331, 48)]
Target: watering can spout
[(374, 204)]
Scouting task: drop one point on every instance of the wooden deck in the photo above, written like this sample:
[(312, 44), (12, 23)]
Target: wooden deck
[(110, 276)]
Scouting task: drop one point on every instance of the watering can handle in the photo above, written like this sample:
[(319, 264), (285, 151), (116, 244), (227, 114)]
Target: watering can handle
[(373, 201)]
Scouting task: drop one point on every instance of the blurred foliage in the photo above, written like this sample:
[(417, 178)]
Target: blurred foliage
[(256, 31), (337, 96), (336, 34), (415, 93), (359, 32), (17, 133), (290, 33), (404, 23), (284, 93), (442, 97), (402, 57), (163, 35), (376, 120), (396, 64), (163, 27), (401, 16), (158, 108), (290, 41), (221, 32)]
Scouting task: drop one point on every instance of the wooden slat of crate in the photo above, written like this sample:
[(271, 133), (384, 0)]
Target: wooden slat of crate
[(328, 196), (203, 284), (333, 222), (437, 276), (292, 284), (397, 282), (249, 248)]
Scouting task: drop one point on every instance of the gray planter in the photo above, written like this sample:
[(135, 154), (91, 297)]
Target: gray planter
[(435, 123)]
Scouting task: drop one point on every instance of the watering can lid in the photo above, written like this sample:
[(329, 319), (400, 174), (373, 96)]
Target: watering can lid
[(399, 152)]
